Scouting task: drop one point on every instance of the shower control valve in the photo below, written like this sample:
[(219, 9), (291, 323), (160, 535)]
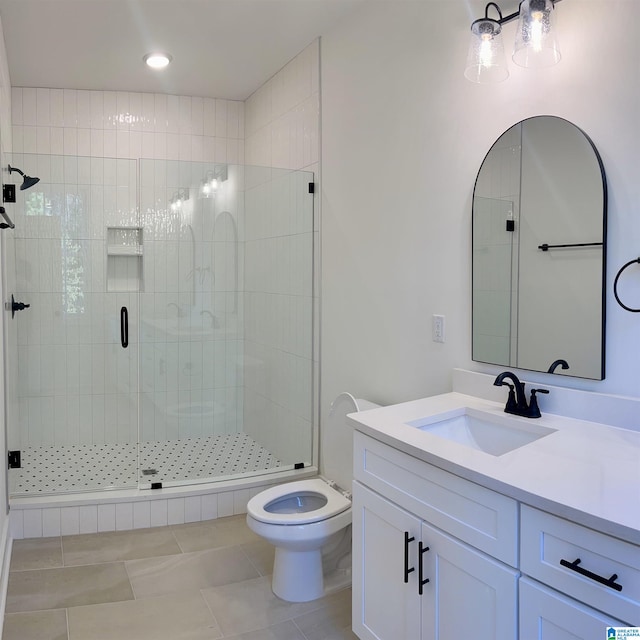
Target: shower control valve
[(16, 306)]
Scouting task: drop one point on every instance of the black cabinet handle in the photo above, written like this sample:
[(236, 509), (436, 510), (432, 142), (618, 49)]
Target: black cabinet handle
[(124, 327), (407, 570), (421, 580), (607, 582)]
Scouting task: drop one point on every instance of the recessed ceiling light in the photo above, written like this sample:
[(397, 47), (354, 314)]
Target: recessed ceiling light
[(157, 60)]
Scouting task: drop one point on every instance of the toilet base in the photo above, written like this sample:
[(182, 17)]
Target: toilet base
[(297, 575)]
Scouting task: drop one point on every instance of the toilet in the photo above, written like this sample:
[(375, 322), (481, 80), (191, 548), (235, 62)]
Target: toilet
[(299, 518)]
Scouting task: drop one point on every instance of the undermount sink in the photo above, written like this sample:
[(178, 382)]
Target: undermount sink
[(492, 434)]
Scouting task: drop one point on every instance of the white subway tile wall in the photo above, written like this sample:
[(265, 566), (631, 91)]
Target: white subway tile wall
[(75, 381), (127, 125)]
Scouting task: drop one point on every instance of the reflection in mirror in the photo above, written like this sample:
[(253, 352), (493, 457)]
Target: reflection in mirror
[(539, 243)]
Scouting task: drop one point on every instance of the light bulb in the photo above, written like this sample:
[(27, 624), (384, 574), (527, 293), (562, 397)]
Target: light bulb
[(537, 30), (486, 51)]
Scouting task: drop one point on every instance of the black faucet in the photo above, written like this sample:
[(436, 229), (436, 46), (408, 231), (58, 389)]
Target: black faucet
[(558, 363), (517, 401)]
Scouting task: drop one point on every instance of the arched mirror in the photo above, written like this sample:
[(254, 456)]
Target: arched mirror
[(539, 249)]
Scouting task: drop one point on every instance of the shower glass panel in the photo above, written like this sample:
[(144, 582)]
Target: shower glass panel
[(72, 392), (211, 265), (226, 321)]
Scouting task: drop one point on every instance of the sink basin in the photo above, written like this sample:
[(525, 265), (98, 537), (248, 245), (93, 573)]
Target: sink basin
[(492, 434)]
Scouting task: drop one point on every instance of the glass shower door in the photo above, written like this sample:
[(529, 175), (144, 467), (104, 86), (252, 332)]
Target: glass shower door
[(72, 407), (191, 321), (224, 395)]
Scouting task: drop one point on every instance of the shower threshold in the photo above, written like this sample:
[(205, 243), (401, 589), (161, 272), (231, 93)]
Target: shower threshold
[(55, 470)]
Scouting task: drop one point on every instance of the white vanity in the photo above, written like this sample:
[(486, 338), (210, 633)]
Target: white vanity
[(471, 524)]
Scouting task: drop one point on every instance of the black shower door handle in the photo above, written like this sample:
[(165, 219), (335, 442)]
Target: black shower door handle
[(124, 327)]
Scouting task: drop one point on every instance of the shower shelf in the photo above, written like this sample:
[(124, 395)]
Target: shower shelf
[(124, 250), (124, 258)]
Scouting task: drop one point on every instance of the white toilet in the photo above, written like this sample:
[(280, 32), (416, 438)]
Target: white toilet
[(298, 518)]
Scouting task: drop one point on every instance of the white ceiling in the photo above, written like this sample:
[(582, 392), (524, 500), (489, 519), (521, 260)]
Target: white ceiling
[(220, 48)]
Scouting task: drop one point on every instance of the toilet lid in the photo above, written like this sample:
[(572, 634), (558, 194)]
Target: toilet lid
[(299, 502)]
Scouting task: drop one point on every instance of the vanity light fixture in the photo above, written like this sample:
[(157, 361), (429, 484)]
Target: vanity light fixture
[(209, 186), (181, 196), (211, 182), (535, 46), (157, 60)]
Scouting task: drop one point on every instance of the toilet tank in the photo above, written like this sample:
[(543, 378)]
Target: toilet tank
[(337, 454)]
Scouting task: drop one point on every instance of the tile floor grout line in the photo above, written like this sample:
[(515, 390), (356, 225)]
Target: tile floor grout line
[(133, 591), (175, 537), (246, 555), (206, 604), (302, 633)]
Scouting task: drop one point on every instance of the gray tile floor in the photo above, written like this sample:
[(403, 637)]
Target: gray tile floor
[(197, 581)]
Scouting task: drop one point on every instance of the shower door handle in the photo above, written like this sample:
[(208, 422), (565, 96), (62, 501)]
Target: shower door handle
[(124, 327)]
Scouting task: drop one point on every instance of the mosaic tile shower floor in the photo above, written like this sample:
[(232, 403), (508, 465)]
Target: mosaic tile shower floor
[(51, 470)]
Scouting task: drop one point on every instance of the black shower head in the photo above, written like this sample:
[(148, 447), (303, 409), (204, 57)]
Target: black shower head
[(27, 181)]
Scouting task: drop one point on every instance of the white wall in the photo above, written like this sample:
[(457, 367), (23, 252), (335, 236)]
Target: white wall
[(403, 136)]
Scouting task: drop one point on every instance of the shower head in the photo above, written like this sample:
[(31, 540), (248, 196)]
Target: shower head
[(27, 181)]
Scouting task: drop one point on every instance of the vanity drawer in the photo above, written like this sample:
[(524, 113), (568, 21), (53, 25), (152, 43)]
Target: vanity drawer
[(480, 517), (546, 540)]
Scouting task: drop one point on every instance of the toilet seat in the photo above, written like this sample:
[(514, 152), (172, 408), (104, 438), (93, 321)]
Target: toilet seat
[(335, 503)]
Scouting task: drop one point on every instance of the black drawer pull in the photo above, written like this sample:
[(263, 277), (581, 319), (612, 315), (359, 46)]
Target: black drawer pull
[(124, 327), (607, 582), (421, 581), (407, 570)]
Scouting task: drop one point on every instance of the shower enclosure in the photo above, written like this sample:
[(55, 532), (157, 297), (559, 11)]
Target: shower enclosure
[(168, 339)]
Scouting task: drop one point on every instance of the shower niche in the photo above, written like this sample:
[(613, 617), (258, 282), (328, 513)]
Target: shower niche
[(216, 380), (124, 259)]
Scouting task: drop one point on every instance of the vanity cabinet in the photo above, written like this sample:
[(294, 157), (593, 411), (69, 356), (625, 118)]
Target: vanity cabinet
[(597, 571), (407, 570), (548, 615), (489, 566), (412, 579)]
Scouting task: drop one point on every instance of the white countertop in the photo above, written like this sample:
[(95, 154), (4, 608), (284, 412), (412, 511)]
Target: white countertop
[(586, 472)]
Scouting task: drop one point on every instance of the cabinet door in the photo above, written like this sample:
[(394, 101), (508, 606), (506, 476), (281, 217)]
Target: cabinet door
[(468, 594), (548, 615), (384, 606)]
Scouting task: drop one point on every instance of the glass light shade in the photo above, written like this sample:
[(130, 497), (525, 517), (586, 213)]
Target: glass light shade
[(536, 42), (486, 62)]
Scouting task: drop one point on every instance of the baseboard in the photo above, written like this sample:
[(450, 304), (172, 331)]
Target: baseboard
[(6, 543)]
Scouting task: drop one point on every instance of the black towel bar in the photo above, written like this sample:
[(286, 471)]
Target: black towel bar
[(546, 247)]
